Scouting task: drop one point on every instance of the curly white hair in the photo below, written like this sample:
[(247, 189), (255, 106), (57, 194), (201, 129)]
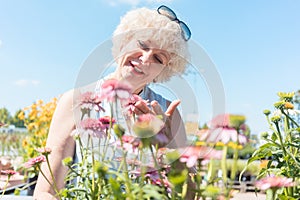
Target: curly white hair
[(146, 24)]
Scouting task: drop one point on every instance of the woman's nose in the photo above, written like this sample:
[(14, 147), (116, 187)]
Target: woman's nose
[(146, 57)]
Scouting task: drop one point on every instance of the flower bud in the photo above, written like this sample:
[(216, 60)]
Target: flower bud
[(267, 112), (279, 104), (264, 135), (275, 119), (286, 96), (119, 130)]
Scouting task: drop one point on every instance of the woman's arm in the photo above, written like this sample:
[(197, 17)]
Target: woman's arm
[(62, 145)]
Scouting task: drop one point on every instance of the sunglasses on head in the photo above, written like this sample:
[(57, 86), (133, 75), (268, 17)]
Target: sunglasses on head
[(168, 12)]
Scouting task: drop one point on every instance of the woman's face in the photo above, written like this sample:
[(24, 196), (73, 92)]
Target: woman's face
[(142, 65)]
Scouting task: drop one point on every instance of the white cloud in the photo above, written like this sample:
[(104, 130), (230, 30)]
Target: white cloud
[(26, 82), (0, 43)]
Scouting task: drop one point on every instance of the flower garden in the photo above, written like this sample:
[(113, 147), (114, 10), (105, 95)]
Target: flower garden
[(221, 157)]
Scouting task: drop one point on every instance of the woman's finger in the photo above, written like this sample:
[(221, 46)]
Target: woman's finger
[(172, 107), (156, 108), (140, 107)]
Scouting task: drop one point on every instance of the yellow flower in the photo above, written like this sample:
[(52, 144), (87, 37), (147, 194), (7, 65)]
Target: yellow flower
[(21, 115), (263, 164), (220, 144), (200, 143), (39, 102), (234, 145), (24, 143), (37, 118)]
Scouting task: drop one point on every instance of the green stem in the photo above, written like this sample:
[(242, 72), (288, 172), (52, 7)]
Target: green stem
[(143, 171), (5, 187), (52, 176), (234, 164), (158, 169), (280, 139), (199, 178), (210, 171), (52, 185), (224, 165), (93, 168), (291, 119), (127, 181)]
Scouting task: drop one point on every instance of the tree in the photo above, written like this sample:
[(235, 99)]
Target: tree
[(15, 120), (5, 116)]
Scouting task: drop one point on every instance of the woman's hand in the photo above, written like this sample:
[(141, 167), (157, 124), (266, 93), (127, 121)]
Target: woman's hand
[(174, 128)]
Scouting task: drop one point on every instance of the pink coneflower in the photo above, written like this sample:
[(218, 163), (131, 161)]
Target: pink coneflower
[(107, 122), (224, 135), (44, 150), (274, 182), (129, 104), (35, 161), (112, 89), (130, 144), (192, 154), (8, 172), (222, 120), (92, 127), (225, 128), (154, 177), (90, 100)]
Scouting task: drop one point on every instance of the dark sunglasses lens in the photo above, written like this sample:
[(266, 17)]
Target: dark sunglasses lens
[(163, 10), (186, 32)]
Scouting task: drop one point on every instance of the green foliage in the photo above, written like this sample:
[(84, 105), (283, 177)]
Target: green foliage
[(5, 116), (281, 146)]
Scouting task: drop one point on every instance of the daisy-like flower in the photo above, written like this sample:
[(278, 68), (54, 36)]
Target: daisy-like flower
[(129, 104), (107, 122), (222, 120), (130, 144), (90, 100), (274, 182), (293, 112), (8, 172), (35, 161), (94, 127), (154, 177), (44, 150), (192, 154), (224, 135), (112, 89), (223, 128)]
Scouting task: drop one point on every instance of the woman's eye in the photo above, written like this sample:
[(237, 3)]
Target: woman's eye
[(159, 59), (142, 45)]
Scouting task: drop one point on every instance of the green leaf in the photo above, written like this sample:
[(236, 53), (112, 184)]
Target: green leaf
[(178, 177), (67, 161), (116, 188), (284, 197)]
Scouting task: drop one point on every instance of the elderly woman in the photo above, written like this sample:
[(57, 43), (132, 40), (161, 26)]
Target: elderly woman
[(149, 46)]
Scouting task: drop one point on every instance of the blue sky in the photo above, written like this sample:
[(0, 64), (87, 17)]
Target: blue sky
[(255, 46)]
